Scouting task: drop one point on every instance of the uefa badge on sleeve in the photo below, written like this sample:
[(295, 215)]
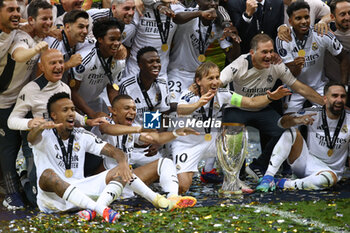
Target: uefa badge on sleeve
[(151, 120)]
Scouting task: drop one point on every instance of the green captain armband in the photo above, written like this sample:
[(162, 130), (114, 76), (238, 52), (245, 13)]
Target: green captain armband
[(236, 99)]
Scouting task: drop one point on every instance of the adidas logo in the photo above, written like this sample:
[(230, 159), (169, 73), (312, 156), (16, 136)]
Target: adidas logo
[(94, 68), (22, 97), (112, 194), (137, 101)]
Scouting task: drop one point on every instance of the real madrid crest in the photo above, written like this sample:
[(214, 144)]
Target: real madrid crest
[(157, 97), (112, 65), (216, 105), (130, 137), (269, 78), (344, 129), (314, 46), (76, 147)]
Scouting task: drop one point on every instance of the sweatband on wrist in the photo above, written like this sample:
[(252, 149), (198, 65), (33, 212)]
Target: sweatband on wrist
[(236, 99)]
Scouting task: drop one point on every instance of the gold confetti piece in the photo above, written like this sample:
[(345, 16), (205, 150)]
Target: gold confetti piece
[(207, 217)]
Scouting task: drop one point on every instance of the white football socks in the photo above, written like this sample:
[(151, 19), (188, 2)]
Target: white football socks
[(167, 176), (281, 151)]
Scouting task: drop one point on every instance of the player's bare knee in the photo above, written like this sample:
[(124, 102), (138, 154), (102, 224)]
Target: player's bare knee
[(45, 177)]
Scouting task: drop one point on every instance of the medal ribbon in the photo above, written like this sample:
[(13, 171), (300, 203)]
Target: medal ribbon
[(331, 142), (202, 43), (145, 95), (105, 65), (69, 51), (66, 155), (163, 31), (210, 113), (300, 43)]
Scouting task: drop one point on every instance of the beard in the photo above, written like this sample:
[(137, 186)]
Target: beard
[(336, 112)]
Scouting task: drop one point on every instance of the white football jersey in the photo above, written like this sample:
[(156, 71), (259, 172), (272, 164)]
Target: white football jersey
[(92, 75), (117, 141), (315, 47), (221, 99), (33, 98), (48, 154), (21, 72), (143, 31), (249, 81), (158, 94), (96, 14), (185, 47), (6, 41), (317, 144)]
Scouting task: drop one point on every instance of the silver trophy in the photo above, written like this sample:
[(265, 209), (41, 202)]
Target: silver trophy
[(231, 146)]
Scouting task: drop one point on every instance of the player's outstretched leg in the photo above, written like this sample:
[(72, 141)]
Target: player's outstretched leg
[(284, 147), (316, 181)]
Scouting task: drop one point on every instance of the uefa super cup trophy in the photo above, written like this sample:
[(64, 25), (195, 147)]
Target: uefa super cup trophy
[(231, 146)]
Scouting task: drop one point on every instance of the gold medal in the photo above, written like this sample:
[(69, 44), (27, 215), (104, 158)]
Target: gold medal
[(116, 87), (72, 83), (165, 47), (301, 53), (330, 152), (201, 57), (207, 137), (68, 173)]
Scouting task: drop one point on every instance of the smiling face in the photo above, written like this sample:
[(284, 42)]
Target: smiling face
[(124, 112), (300, 21), (261, 58), (150, 65), (42, 23), (335, 100), (110, 43), (210, 81), (9, 16), (78, 30), (124, 11), (342, 16), (52, 65), (63, 111)]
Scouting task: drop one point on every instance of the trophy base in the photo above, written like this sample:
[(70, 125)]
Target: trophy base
[(234, 186)]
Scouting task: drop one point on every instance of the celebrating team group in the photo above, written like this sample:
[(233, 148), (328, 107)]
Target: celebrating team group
[(78, 85)]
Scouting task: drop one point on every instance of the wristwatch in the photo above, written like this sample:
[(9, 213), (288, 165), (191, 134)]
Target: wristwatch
[(246, 15)]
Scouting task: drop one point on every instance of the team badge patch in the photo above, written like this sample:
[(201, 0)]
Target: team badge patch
[(56, 147), (76, 147), (344, 129), (98, 140), (113, 65), (157, 97), (80, 69), (172, 95), (269, 79), (178, 167), (282, 52), (314, 46), (130, 138), (216, 105), (123, 35)]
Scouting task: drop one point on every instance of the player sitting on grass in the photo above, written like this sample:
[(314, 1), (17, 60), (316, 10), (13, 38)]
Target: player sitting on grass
[(205, 100), (320, 162), (121, 133), (59, 153)]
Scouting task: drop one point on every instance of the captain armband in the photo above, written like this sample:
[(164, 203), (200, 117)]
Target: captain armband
[(236, 99)]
